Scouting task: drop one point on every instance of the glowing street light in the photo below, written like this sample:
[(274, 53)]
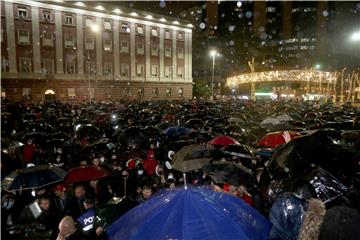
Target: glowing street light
[(355, 37), (318, 66), (213, 54)]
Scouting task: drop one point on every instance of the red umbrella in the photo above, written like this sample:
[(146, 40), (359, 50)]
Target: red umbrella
[(275, 139), (87, 173), (223, 141)]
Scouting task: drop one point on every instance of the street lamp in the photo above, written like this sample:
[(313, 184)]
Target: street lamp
[(94, 28), (355, 37), (213, 54)]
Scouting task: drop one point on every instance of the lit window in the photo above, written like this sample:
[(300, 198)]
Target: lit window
[(69, 19), (154, 70), (124, 70), (167, 34), (168, 92), (180, 92), (180, 72), (89, 43), (25, 65), (167, 72), (22, 12), (4, 64), (46, 15), (71, 93), (26, 93), (155, 92), (141, 92), (23, 37), (140, 30), (154, 49), (181, 36), (69, 41), (107, 68), (154, 32), (168, 52), (140, 48), (107, 45), (70, 64), (47, 65), (140, 70), (181, 52), (47, 39), (124, 48), (107, 25), (90, 67), (125, 28)]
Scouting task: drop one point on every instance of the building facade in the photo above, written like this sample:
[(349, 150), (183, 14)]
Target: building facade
[(75, 52)]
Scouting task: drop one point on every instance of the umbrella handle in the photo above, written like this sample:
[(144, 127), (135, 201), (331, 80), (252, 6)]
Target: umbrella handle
[(125, 187), (185, 183)]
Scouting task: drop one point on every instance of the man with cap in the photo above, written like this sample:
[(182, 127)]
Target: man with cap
[(86, 219)]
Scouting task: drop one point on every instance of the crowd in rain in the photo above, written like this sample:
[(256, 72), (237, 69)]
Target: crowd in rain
[(72, 170)]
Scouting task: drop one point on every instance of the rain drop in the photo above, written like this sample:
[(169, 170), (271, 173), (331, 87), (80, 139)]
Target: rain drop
[(249, 23), (223, 15), (263, 35), (238, 4), (240, 15), (162, 4), (248, 14), (246, 45), (202, 25), (231, 28), (231, 43)]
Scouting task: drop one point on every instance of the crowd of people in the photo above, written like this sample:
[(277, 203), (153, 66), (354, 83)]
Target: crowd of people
[(136, 145)]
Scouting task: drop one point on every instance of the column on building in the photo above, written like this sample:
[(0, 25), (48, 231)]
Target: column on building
[(80, 43), (99, 48), (174, 55), (10, 32), (187, 55), (132, 51), (147, 53), (161, 53), (116, 50), (36, 39), (59, 42), (190, 57)]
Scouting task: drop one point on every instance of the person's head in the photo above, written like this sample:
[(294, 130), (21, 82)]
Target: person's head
[(96, 161), (44, 203), (89, 203), (79, 192), (147, 192), (67, 226)]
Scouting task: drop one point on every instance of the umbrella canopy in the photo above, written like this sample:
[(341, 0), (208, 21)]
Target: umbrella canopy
[(87, 173), (223, 141), (191, 157), (195, 213), (133, 137), (33, 178), (275, 139), (176, 131)]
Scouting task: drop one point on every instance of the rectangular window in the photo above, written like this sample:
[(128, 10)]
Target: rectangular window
[(46, 15), (69, 41), (126, 92), (168, 52), (155, 92), (47, 39), (107, 68), (140, 30), (69, 19), (22, 12), (125, 70), (154, 70), (26, 93), (168, 92), (90, 68), (167, 71), (180, 72), (89, 43), (167, 34), (4, 64), (141, 92), (140, 70), (180, 92), (154, 50), (107, 45), (140, 48), (107, 25), (70, 65), (24, 37), (181, 36), (181, 52), (89, 22), (125, 28), (71, 93), (25, 65), (47, 66), (154, 32), (124, 48)]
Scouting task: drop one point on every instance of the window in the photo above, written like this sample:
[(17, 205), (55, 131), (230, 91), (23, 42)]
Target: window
[(46, 15), (69, 19), (125, 70), (71, 93), (107, 68), (167, 71), (141, 92), (124, 48), (168, 52), (25, 65), (107, 45), (125, 28), (26, 93), (70, 65), (89, 22), (47, 66), (155, 92), (89, 43), (23, 37), (140, 30), (168, 92), (154, 70), (154, 50), (107, 25), (4, 64), (90, 67), (181, 36), (22, 12), (154, 32), (126, 92), (180, 52), (180, 92), (140, 48), (69, 41), (167, 34), (47, 39), (180, 72), (140, 70)]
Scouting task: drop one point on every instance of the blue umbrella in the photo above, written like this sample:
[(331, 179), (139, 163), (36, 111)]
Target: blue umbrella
[(176, 131), (194, 213)]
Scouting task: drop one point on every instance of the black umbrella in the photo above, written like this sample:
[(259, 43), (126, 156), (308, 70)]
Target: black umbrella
[(191, 157), (32, 178), (133, 137)]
